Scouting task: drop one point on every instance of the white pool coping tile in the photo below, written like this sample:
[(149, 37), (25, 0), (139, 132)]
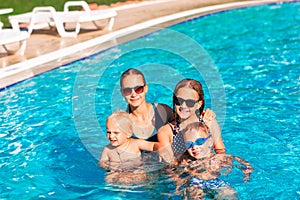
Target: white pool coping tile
[(26, 67)]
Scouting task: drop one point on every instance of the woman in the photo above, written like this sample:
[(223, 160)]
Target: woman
[(188, 104), (147, 117)]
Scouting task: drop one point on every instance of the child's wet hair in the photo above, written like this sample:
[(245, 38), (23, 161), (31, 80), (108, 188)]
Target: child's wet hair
[(195, 126), (122, 121)]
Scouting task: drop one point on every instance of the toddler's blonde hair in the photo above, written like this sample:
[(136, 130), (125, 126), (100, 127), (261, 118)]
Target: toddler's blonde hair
[(122, 121)]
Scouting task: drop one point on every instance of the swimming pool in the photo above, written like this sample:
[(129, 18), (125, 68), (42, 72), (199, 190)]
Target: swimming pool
[(52, 134)]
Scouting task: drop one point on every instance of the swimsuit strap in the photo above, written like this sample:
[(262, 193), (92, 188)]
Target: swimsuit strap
[(157, 118), (173, 129)]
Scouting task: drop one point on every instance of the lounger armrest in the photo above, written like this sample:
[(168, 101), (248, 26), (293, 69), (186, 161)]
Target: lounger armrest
[(83, 4), (8, 36)]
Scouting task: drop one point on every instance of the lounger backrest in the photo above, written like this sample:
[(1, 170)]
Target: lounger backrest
[(83, 4), (42, 16)]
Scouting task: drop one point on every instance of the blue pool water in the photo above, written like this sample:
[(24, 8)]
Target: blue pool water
[(52, 126)]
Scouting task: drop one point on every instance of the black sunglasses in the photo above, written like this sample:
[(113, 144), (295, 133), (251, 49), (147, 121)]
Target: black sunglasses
[(179, 101), (137, 89)]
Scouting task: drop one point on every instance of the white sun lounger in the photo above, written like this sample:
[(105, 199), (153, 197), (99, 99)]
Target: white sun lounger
[(9, 36), (41, 16), (4, 11)]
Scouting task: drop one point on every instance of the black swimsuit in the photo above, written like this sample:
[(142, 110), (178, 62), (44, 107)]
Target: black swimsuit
[(158, 122)]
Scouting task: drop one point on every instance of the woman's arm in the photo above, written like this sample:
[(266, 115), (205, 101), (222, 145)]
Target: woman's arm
[(146, 145)]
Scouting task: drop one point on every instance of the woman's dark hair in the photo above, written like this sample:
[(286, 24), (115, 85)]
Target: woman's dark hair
[(193, 84), (131, 71)]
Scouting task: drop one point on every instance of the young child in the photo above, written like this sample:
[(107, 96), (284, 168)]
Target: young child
[(123, 152), (203, 168)]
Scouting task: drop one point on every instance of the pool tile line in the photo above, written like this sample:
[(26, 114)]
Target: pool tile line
[(24, 70)]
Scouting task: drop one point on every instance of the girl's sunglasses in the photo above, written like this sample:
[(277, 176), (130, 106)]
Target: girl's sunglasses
[(179, 101), (137, 89), (198, 142)]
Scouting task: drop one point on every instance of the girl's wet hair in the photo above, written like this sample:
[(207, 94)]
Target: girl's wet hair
[(131, 71), (193, 84), (122, 121)]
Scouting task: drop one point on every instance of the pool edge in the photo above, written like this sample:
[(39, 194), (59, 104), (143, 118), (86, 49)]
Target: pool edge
[(32, 67)]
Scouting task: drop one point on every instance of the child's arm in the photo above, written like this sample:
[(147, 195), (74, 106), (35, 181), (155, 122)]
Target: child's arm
[(247, 168), (104, 159), (208, 115)]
